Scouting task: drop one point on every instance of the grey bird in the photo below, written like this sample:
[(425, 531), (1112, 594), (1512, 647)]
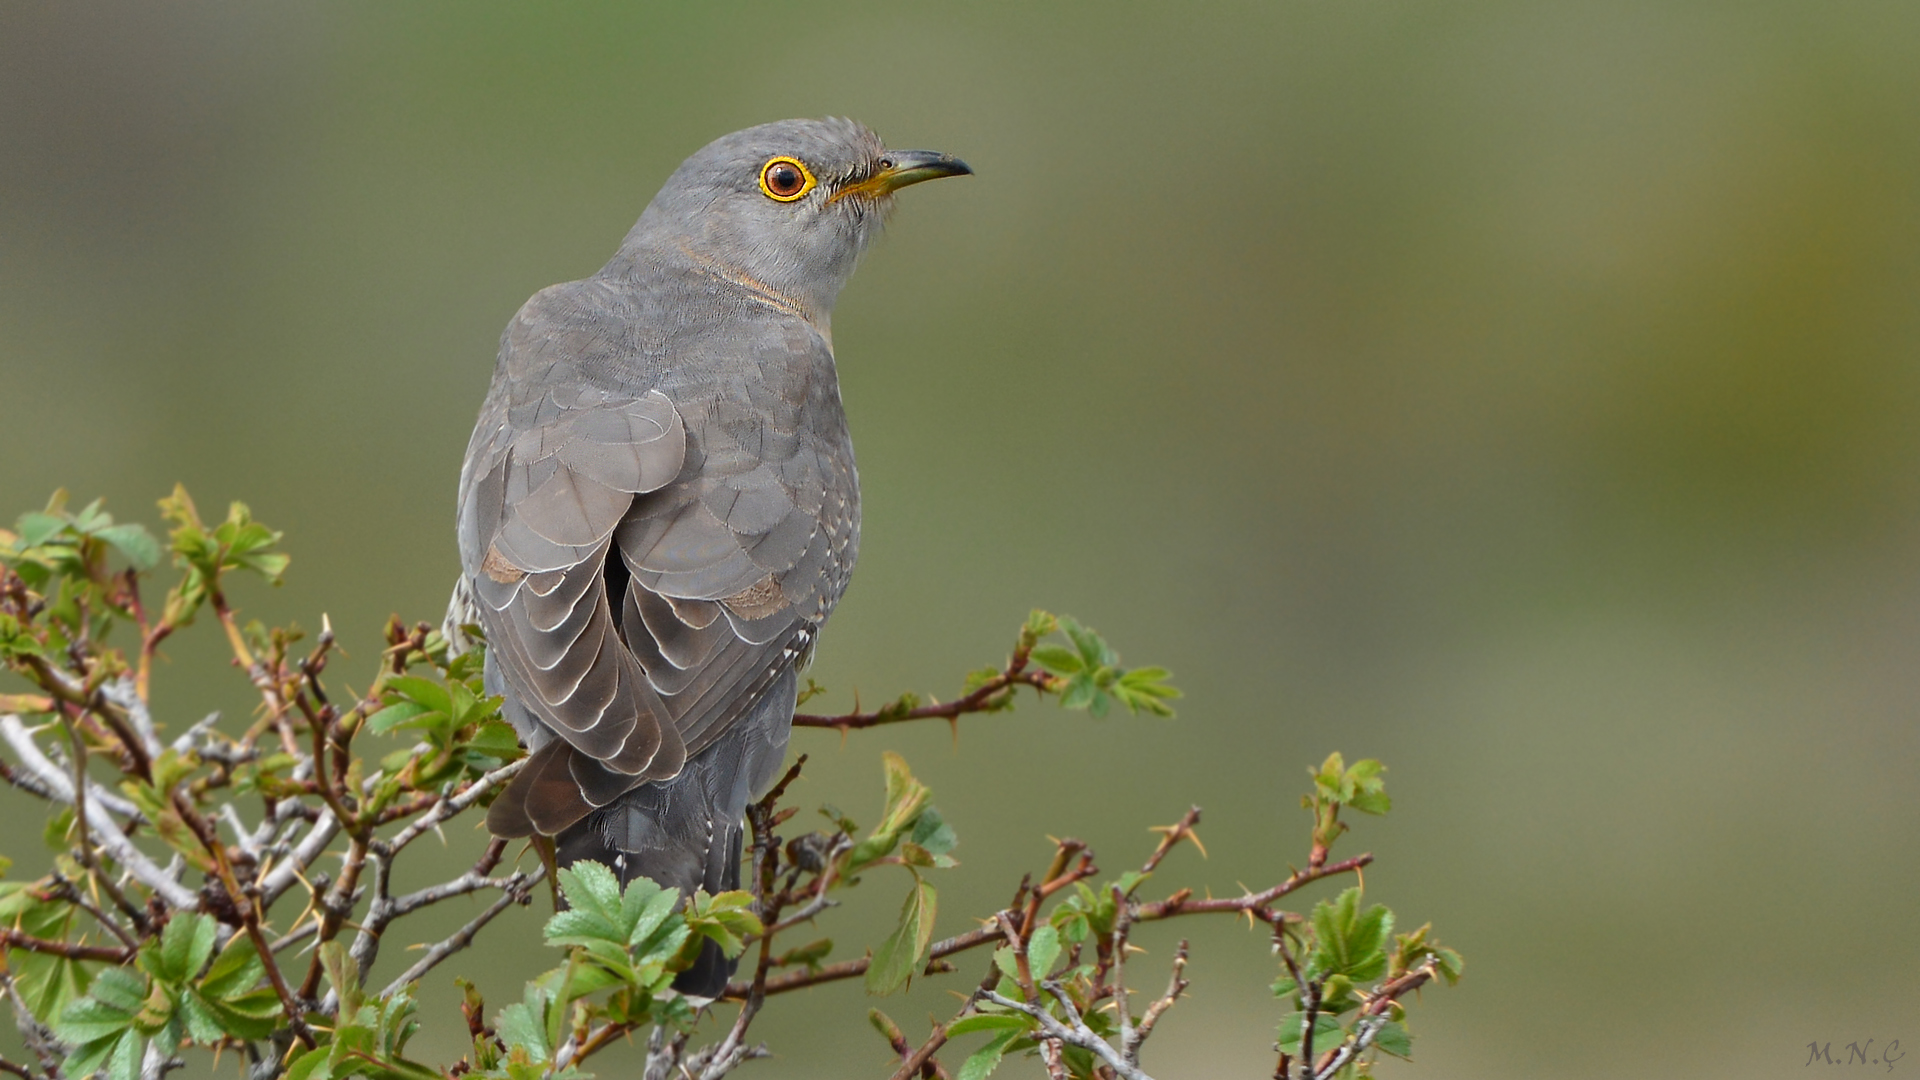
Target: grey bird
[(658, 509)]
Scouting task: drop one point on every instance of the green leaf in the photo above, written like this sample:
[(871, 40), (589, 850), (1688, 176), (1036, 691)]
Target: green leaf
[(932, 833), (91, 1019), (987, 1022), (905, 795), (1394, 1039), (521, 1024), (203, 1026), (253, 1015), (37, 529), (983, 1061), (650, 906), (1042, 951), (133, 541), (120, 989), (118, 1057), (394, 715), (898, 957), (1093, 649), (425, 692), (1058, 659), (1080, 694), (1350, 941), (312, 1065), (185, 945), (726, 919), (343, 974)]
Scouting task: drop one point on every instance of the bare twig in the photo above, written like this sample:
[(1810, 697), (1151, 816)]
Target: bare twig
[(287, 871), (921, 1060), (987, 697), (1176, 985), (518, 891), (14, 939), (448, 807), (47, 780)]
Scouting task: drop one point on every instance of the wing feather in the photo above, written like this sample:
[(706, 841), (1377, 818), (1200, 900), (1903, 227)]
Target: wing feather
[(649, 548)]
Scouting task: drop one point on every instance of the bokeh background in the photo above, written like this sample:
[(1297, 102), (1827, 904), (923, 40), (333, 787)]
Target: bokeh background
[(1523, 394)]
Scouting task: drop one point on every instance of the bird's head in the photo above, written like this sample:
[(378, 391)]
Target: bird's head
[(785, 207)]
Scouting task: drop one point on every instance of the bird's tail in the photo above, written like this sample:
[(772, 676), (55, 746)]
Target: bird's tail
[(686, 833)]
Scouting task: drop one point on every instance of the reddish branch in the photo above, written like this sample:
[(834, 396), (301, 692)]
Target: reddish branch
[(987, 697), (14, 939)]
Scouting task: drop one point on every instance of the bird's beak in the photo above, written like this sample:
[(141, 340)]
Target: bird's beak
[(899, 168)]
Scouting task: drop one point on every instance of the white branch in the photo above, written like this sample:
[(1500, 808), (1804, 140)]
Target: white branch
[(106, 831), (53, 781), (281, 877), (448, 807)]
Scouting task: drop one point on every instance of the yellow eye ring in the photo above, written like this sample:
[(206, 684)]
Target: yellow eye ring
[(785, 179)]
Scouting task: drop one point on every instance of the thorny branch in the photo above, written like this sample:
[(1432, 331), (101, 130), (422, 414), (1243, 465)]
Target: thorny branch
[(318, 799), (990, 696), (315, 794)]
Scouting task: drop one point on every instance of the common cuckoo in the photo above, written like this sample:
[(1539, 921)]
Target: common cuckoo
[(659, 508)]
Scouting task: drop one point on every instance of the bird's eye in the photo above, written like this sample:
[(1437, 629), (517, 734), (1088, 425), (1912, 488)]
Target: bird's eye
[(785, 179)]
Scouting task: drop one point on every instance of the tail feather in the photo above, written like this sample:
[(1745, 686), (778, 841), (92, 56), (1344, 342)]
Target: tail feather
[(686, 833)]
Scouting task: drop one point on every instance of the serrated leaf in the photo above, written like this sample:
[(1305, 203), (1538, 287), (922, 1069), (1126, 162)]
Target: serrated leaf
[(343, 974), (1371, 802), (425, 692), (1042, 950), (650, 914), (312, 1065), (36, 529), (981, 1063), (1058, 659), (185, 945), (727, 919), (90, 1019), (117, 1057), (133, 541), (519, 1025), (394, 715), (988, 1022), (1394, 1039), (932, 833), (591, 887), (1080, 693), (253, 1015), (203, 1026), (120, 989), (1094, 651), (902, 953), (1351, 941)]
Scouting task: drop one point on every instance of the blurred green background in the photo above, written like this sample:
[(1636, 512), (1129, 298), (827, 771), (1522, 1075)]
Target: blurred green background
[(1523, 394)]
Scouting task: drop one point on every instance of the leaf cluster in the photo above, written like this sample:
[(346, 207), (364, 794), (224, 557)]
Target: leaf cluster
[(231, 890), (173, 994)]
